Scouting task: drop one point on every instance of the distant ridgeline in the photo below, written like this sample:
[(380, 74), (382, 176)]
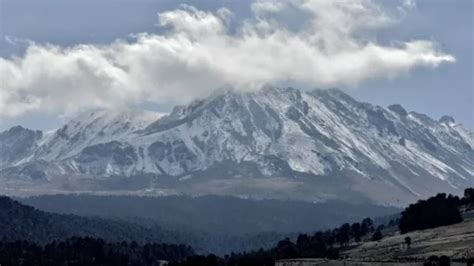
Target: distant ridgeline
[(19, 220), (223, 215)]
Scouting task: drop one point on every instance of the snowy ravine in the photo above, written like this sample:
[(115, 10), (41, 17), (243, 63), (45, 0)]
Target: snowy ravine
[(275, 143)]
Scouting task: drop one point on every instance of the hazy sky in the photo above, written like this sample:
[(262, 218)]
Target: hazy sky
[(65, 56)]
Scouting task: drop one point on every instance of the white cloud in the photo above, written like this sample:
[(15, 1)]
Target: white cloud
[(406, 6), (197, 54), (260, 8)]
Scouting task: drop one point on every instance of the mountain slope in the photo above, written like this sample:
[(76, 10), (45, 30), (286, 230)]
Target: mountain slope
[(217, 214), (271, 143), (17, 144), (21, 222), (455, 241)]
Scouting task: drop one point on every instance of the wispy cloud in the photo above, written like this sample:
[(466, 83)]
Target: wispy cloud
[(198, 53)]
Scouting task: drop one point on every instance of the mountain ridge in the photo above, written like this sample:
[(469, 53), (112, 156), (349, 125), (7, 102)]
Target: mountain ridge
[(277, 134)]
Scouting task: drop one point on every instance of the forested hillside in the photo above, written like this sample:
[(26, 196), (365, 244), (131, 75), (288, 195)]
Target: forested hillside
[(89, 251), (436, 211), (214, 214), (18, 221), (21, 222)]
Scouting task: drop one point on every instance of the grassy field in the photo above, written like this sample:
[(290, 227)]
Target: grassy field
[(313, 262), (455, 241)]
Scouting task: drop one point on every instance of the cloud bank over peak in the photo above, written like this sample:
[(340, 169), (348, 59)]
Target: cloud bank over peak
[(325, 43)]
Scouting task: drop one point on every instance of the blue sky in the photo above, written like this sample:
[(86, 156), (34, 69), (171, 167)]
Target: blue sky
[(432, 88)]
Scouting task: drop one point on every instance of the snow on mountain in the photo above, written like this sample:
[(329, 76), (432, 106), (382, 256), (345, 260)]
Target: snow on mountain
[(306, 145), (16, 144), (92, 128)]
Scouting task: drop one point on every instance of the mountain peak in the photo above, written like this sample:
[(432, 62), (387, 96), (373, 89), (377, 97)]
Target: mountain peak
[(398, 109), (446, 119), (16, 143), (20, 130), (282, 141)]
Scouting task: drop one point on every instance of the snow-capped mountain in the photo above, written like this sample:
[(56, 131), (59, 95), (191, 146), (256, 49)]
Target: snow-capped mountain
[(271, 143)]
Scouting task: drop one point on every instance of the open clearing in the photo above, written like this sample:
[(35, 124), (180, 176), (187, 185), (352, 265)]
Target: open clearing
[(455, 241)]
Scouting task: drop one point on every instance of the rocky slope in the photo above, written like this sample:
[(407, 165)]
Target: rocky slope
[(276, 142)]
